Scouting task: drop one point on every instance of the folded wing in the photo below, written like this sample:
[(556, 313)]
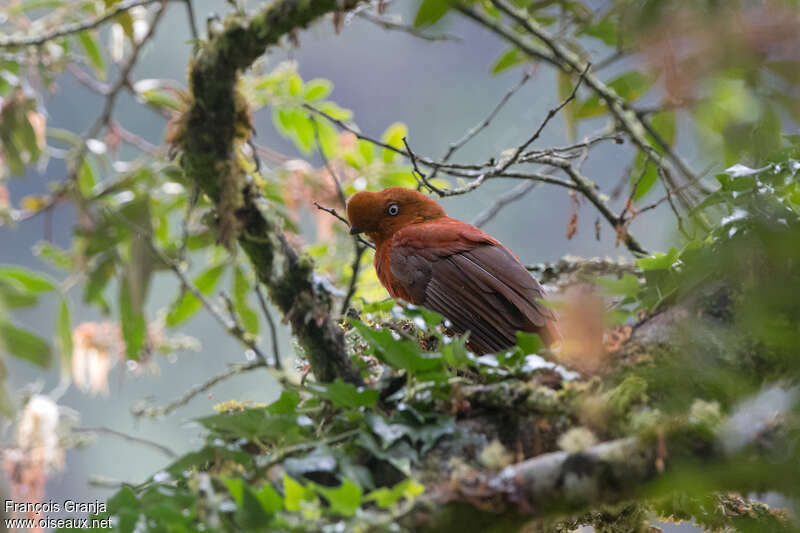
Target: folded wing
[(477, 284)]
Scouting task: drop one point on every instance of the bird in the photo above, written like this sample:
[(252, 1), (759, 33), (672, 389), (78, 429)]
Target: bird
[(451, 267)]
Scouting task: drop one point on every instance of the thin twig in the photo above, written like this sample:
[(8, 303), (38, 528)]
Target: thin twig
[(389, 24), (233, 370), (487, 121), (355, 266), (138, 440), (273, 329), (513, 195), (69, 29), (331, 211)]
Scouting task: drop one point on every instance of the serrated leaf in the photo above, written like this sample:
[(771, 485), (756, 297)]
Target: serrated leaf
[(24, 344), (628, 285), (188, 305)]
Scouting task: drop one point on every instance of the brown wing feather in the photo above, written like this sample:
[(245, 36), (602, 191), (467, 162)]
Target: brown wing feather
[(484, 290)]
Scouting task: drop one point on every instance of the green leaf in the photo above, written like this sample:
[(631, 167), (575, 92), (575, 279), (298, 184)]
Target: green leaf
[(86, 178), (643, 178), (255, 423), (188, 305), (295, 493), (393, 136), (565, 88), (664, 124), (32, 281), (241, 291), (658, 261), (13, 295), (24, 344), (431, 11), (92, 48), (343, 394), (510, 58), (269, 498), (344, 499), (631, 85), (339, 113), (317, 89), (134, 326), (384, 497), (367, 150), (591, 107), (64, 335), (605, 30), (400, 353), (628, 285)]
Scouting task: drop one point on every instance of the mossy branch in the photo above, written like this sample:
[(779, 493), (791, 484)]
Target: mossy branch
[(207, 135)]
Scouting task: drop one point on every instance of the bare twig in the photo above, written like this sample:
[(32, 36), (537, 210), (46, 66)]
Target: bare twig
[(513, 195), (388, 23), (273, 330), (355, 266), (233, 370), (69, 29), (487, 121), (138, 440), (334, 213)]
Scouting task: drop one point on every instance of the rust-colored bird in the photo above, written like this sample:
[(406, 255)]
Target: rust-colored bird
[(451, 267)]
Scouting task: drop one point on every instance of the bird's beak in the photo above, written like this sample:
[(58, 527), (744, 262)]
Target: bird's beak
[(355, 230)]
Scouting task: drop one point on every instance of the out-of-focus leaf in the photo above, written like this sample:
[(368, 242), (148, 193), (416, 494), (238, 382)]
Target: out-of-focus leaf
[(393, 136), (644, 175), (565, 87), (24, 344), (384, 497), (664, 124), (344, 499), (241, 291), (32, 281), (64, 336), (367, 150), (631, 85), (628, 285), (295, 493), (134, 326), (86, 178), (431, 11), (317, 89), (188, 304), (343, 394), (605, 29), (510, 58), (91, 46)]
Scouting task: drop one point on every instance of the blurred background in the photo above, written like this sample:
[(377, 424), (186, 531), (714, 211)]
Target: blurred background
[(438, 89)]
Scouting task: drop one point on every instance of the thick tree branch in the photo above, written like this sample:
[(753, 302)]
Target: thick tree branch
[(216, 123)]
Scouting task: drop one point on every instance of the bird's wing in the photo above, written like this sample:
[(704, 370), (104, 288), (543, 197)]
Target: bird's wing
[(474, 281)]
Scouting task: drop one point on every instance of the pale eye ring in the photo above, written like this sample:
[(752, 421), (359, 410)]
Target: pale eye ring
[(393, 210)]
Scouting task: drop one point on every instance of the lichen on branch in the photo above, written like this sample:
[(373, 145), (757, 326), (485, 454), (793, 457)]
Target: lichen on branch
[(207, 135)]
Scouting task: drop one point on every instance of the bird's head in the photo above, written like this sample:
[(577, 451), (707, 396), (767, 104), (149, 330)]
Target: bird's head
[(381, 214)]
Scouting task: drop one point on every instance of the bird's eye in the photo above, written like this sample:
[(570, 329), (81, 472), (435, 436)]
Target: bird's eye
[(393, 210)]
